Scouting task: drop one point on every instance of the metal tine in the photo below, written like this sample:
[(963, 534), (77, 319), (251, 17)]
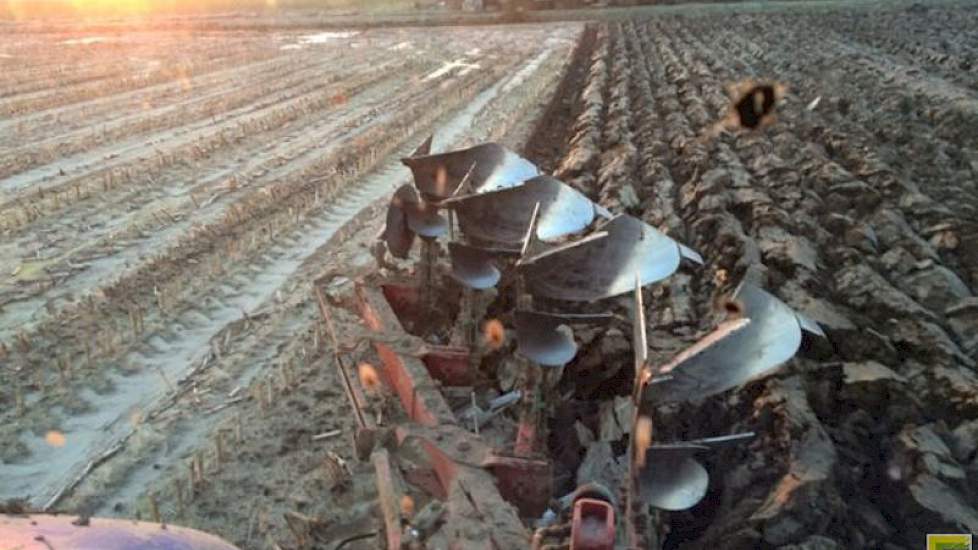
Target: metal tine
[(505, 400), (465, 186), (809, 325), (640, 345), (690, 254), (480, 417), (530, 242), (723, 440)]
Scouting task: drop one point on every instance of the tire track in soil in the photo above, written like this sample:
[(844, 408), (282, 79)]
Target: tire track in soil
[(126, 247), (292, 166), (74, 66), (119, 154), (178, 103), (198, 327), (110, 107), (56, 97)]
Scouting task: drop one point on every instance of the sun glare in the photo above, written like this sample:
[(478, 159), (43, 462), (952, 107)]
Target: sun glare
[(27, 9), (113, 7)]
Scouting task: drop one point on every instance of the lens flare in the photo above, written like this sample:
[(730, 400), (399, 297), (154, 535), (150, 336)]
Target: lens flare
[(369, 378), (643, 438), (494, 334), (407, 507), (55, 438)]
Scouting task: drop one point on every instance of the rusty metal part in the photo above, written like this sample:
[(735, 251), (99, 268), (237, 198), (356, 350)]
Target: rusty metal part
[(366, 428), (388, 497), (501, 217), (457, 454), (747, 348), (544, 339), (405, 374), (448, 364), (473, 267), (602, 266), (489, 166), (526, 482), (461, 459), (44, 532), (592, 525), (592, 490), (671, 478)]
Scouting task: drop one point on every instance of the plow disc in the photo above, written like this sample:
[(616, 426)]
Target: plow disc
[(501, 217), (397, 234), (544, 339), (486, 167), (605, 266), (472, 267), (766, 334), (672, 479)]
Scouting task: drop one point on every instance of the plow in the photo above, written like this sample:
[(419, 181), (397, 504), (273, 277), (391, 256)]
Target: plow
[(499, 238), (487, 271)]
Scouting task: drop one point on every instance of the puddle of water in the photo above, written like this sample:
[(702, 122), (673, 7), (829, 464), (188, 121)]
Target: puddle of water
[(90, 434)]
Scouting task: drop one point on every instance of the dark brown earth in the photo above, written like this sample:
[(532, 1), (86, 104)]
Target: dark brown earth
[(858, 208)]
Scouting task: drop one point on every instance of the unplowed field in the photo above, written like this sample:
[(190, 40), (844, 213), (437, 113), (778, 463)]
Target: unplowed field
[(167, 199), (166, 202)]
